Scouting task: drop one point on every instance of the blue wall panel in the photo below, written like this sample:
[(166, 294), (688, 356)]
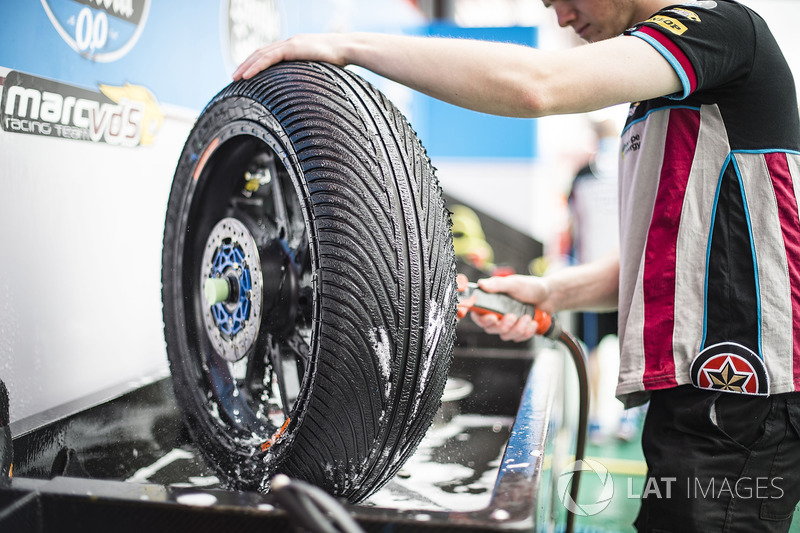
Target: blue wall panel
[(450, 131)]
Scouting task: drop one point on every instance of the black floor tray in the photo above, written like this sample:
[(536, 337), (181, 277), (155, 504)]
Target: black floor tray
[(56, 495)]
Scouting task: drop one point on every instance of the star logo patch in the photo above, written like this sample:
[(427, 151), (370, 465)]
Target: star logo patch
[(730, 367), (726, 377)]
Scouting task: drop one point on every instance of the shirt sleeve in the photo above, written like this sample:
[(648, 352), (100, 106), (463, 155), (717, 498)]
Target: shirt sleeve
[(709, 43)]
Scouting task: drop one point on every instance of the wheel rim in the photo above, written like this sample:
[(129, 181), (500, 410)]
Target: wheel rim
[(253, 295)]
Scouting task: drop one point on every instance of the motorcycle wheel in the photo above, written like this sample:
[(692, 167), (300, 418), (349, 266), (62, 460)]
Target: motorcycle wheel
[(308, 282)]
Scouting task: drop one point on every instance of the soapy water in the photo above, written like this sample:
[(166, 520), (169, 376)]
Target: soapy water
[(383, 353), (433, 333), (454, 469)]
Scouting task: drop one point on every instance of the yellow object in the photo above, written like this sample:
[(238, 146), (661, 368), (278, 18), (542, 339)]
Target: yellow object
[(469, 240), (539, 266), (252, 182)]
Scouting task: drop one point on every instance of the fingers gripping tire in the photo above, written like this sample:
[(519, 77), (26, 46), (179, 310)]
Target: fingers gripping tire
[(308, 282)]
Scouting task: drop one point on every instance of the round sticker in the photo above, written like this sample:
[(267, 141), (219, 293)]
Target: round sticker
[(100, 30)]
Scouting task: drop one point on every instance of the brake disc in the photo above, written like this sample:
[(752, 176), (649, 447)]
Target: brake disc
[(231, 278)]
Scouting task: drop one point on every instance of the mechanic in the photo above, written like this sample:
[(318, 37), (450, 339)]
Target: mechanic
[(707, 277)]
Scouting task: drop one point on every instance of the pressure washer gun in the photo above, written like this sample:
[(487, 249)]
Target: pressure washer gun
[(473, 298)]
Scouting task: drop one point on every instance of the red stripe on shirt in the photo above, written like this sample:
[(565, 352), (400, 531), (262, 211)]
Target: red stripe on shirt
[(778, 167), (661, 248), (677, 53)]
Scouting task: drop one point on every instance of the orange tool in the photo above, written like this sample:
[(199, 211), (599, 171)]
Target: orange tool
[(473, 298)]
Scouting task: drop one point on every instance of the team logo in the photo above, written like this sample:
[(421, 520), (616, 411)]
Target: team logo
[(603, 499), (126, 115), (730, 367), (100, 30)]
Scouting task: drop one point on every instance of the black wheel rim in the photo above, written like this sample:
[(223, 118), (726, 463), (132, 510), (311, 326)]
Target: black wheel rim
[(248, 231)]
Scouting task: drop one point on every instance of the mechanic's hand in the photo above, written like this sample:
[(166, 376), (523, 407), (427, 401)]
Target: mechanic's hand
[(528, 289), (311, 47)]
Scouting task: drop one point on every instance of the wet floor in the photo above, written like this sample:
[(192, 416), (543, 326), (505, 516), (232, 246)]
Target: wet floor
[(139, 438), (454, 468)]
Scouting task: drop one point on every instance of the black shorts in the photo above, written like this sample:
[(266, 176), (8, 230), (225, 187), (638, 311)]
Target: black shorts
[(720, 461)]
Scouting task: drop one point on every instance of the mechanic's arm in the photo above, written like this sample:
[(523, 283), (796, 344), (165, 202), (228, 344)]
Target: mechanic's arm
[(589, 287), (498, 78)]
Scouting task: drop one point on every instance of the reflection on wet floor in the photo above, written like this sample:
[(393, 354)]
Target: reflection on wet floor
[(179, 467)]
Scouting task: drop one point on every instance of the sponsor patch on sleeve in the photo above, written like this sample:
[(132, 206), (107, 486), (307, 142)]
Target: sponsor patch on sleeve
[(669, 23)]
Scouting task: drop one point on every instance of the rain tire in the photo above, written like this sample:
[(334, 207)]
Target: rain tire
[(351, 208)]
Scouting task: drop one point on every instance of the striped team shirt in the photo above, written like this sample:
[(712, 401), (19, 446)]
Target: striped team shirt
[(709, 221)]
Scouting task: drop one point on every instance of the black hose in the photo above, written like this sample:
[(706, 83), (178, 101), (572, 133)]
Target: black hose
[(579, 359), (311, 509)]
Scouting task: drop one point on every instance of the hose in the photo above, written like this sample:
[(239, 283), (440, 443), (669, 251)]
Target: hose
[(579, 359), (310, 508)]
